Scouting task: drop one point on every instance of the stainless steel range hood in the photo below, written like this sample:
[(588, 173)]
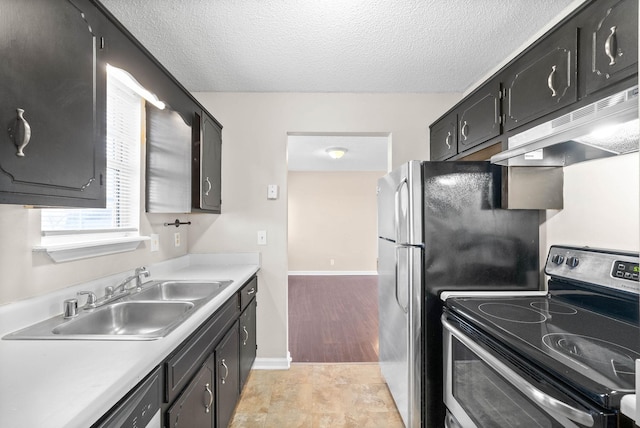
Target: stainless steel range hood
[(604, 128)]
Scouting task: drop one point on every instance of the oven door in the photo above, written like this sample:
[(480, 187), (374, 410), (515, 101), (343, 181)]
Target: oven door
[(482, 391)]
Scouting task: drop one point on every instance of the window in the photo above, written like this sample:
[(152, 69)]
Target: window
[(121, 218)]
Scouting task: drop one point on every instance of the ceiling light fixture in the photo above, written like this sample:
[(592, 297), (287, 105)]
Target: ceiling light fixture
[(336, 152)]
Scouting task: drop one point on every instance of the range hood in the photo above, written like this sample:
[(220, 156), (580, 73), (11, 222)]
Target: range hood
[(607, 127)]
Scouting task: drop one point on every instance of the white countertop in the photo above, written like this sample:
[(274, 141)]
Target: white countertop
[(72, 383)]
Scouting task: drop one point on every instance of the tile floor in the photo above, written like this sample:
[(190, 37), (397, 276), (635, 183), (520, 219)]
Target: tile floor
[(316, 396)]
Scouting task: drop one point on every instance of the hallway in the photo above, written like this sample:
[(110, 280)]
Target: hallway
[(333, 318)]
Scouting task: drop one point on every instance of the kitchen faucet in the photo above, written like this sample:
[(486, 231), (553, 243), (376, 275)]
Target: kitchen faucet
[(140, 271)]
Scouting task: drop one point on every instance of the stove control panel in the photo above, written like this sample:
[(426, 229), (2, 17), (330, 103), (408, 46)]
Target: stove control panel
[(607, 268), (625, 270)]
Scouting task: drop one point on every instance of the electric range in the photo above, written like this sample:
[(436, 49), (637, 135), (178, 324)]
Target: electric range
[(563, 359)]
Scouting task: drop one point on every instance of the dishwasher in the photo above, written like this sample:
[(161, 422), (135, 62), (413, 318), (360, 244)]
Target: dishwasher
[(139, 409)]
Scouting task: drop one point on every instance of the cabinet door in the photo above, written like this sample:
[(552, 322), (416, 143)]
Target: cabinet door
[(195, 406), (443, 140), (544, 79), (479, 117), (52, 70), (207, 166), (613, 44), (227, 376), (248, 343)]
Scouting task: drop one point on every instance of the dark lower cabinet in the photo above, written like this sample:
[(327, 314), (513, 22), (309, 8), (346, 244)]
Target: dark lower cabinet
[(612, 43), (248, 343), (195, 407), (205, 375), (227, 373), (53, 109)]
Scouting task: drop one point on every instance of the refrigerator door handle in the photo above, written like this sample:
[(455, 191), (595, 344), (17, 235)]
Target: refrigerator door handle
[(403, 306), (401, 208)]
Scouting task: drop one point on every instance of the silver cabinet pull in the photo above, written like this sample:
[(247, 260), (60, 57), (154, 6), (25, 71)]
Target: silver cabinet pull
[(207, 407), (552, 75), (251, 291), (246, 338), (610, 46), (206, 193), (14, 132), (446, 140), (226, 372), (463, 130)]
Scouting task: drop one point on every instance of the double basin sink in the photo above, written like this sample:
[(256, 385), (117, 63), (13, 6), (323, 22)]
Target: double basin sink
[(151, 313)]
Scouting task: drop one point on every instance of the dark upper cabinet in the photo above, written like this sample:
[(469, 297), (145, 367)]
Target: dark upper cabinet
[(227, 376), (479, 116), (611, 45), (443, 141), (195, 406), (544, 79), (53, 70), (206, 167)]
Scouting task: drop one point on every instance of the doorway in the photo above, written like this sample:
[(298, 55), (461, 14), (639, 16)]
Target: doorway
[(332, 244)]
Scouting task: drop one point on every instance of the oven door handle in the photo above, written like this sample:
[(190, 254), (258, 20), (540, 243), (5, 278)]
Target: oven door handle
[(533, 393)]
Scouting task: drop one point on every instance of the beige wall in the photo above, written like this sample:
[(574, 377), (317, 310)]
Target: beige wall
[(332, 217), (601, 199), (24, 273), (254, 155)]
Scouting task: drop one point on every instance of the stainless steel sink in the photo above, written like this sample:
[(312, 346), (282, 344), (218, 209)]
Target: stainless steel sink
[(144, 319), (180, 290), (149, 314)]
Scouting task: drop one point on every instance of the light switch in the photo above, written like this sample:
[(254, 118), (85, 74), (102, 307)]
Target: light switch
[(262, 237), (272, 191)]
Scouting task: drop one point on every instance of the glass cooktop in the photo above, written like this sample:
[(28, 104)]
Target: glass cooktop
[(592, 352)]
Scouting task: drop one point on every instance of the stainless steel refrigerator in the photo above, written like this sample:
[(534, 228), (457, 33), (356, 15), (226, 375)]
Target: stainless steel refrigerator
[(440, 227)]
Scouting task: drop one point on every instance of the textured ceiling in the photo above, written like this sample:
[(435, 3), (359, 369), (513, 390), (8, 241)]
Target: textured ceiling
[(333, 45)]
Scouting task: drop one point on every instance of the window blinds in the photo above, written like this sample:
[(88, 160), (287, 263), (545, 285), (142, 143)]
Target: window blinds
[(124, 130)]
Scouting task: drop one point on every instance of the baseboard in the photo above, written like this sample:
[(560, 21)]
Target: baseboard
[(272, 363), (331, 272)]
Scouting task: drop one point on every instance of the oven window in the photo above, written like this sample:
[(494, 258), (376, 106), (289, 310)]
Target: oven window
[(488, 399)]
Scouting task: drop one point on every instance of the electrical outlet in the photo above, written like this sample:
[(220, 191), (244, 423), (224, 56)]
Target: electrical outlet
[(176, 239), (262, 237), (155, 242), (332, 262)]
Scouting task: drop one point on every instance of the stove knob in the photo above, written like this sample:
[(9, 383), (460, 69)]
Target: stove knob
[(572, 262), (557, 259)]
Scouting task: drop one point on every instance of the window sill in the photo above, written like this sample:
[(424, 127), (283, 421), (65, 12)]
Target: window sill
[(66, 252)]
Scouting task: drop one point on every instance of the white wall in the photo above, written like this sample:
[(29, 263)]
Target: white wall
[(254, 155)]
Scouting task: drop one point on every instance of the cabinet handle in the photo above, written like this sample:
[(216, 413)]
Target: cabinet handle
[(246, 338), (446, 140), (610, 46), (251, 291), (207, 408), (552, 75), (226, 371), (14, 133), (206, 193), (463, 130)]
